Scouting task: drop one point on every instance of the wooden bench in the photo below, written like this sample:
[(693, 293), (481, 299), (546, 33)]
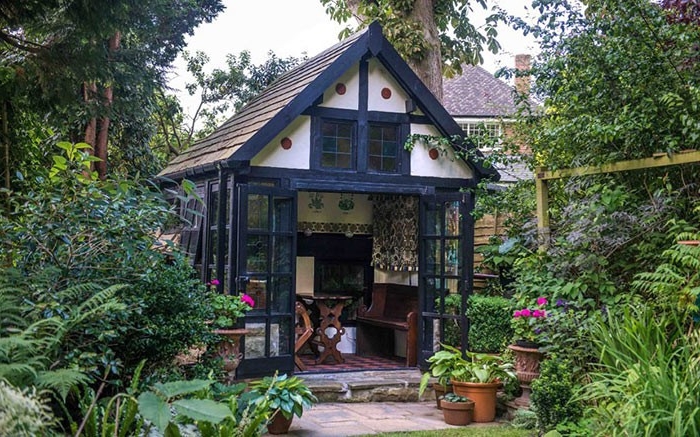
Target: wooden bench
[(394, 308)]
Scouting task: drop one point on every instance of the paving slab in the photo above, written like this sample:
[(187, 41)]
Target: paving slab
[(343, 419)]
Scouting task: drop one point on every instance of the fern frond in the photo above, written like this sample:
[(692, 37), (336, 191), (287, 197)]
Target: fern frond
[(61, 381)]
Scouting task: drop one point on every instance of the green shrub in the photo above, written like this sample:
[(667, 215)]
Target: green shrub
[(552, 395), (648, 378), (489, 323), (172, 309)]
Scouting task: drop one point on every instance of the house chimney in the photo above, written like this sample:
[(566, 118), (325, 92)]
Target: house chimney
[(522, 74)]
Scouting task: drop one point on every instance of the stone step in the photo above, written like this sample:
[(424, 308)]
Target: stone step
[(367, 386)]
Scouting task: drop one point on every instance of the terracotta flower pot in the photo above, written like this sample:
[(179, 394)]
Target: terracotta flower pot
[(440, 390), (279, 424), (527, 367), (483, 395), (457, 413)]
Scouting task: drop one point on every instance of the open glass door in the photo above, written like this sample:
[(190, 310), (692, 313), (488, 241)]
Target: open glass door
[(265, 271), (445, 266)]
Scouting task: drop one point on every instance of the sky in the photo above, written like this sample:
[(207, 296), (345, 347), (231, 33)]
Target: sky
[(292, 27)]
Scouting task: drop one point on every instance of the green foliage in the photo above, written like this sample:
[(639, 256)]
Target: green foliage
[(453, 397), (483, 368), (442, 364), (55, 338), (284, 393), (23, 413), (675, 285), (489, 323), (173, 306), (46, 90), (461, 39), (648, 376), (552, 394), (524, 419), (449, 364), (228, 308)]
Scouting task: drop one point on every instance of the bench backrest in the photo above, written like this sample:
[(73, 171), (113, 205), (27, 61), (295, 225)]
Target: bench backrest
[(393, 301)]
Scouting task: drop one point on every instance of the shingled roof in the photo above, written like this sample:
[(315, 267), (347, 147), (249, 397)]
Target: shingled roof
[(476, 93), (242, 136)]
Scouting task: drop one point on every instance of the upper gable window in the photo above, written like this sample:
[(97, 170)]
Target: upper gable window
[(337, 148), (383, 148)]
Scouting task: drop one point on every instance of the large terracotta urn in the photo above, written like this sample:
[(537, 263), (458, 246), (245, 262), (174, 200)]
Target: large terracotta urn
[(229, 350), (527, 368)]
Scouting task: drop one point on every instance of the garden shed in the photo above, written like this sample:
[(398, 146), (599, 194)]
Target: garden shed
[(310, 191)]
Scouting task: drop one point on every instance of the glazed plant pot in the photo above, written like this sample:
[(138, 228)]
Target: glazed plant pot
[(457, 413), (279, 424), (483, 395)]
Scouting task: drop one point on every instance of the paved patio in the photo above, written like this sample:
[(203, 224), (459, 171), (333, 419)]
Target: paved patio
[(350, 419)]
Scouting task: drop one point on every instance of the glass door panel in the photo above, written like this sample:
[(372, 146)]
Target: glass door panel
[(266, 269), (445, 248)]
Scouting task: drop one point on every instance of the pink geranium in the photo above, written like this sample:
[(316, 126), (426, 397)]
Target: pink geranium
[(525, 312), (248, 300), (541, 301), (215, 282), (517, 313)]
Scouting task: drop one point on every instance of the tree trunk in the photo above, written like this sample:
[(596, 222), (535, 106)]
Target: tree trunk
[(429, 68), (89, 92), (103, 134)]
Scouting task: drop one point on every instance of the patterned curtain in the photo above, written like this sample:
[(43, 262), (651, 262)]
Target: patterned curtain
[(395, 232)]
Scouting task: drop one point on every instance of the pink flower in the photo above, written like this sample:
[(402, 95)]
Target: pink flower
[(541, 301), (215, 282), (248, 300), (525, 312), (538, 313), (517, 313)]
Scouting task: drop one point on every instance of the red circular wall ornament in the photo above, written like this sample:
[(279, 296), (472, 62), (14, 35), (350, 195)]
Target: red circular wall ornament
[(433, 153), (286, 143), (386, 93), (340, 88)]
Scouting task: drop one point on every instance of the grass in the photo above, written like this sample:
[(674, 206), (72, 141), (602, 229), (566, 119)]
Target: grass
[(467, 431)]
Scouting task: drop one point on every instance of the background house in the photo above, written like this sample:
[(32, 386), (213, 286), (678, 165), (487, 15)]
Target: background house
[(482, 104)]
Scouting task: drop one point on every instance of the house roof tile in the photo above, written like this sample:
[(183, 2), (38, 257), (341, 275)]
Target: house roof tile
[(477, 93)]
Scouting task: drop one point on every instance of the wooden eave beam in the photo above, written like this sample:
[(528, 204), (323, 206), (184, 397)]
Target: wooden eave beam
[(658, 160)]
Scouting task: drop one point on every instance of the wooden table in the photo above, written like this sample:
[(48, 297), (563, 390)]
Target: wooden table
[(330, 308)]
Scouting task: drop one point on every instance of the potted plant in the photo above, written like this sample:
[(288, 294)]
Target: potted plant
[(442, 364), (478, 378), (286, 396), (527, 324), (456, 409), (227, 309)]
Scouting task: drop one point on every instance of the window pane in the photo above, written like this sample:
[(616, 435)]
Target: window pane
[(336, 144), (256, 261), (257, 212), (343, 161), (383, 148)]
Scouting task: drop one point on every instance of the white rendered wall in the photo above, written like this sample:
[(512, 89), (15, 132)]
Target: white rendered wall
[(445, 166), (379, 79), (351, 80), (273, 155)]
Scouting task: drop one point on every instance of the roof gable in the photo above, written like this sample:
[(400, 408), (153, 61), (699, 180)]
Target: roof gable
[(245, 134)]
